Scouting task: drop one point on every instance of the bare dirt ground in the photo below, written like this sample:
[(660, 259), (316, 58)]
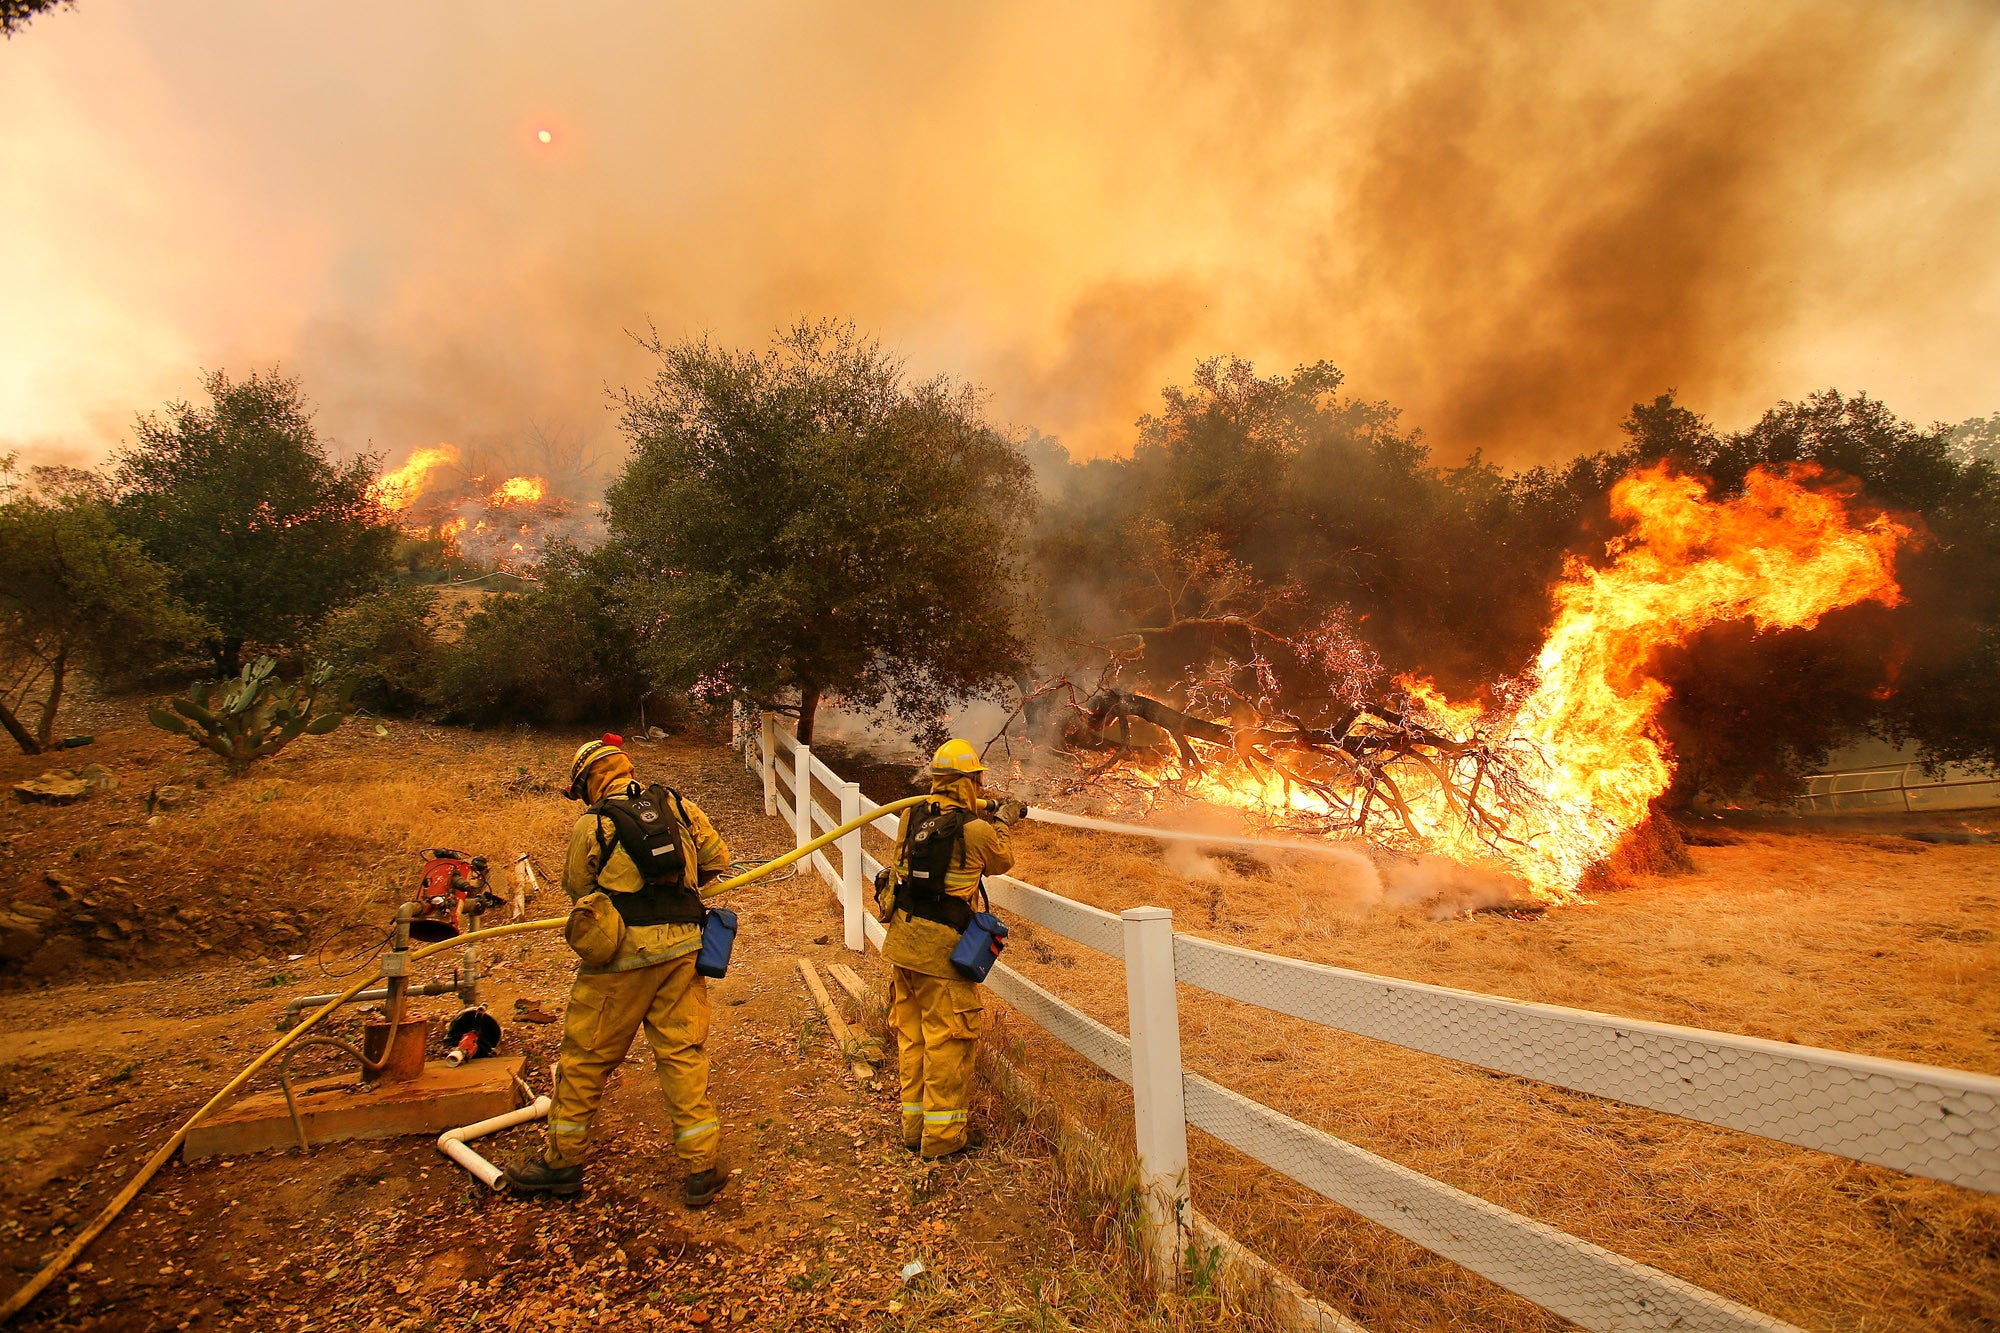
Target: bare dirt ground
[(168, 943), (1849, 935)]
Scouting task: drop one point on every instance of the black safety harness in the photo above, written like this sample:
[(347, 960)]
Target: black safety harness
[(645, 825), (935, 835)]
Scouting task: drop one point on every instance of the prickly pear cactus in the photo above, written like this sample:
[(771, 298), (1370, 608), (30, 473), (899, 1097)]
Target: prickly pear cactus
[(255, 715)]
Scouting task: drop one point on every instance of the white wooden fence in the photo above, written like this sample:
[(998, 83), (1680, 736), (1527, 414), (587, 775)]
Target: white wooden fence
[(1940, 1123), (1893, 787)]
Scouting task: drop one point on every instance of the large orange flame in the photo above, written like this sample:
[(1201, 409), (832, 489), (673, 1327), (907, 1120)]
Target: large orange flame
[(517, 491), (1779, 555), (1585, 736), (400, 488)]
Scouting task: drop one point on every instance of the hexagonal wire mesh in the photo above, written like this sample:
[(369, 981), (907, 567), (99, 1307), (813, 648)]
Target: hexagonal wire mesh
[(1941, 1123)]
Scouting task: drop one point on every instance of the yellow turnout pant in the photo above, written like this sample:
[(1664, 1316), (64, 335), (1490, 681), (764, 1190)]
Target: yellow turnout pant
[(937, 1029), (605, 1009)]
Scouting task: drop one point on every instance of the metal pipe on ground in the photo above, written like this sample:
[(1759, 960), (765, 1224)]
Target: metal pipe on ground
[(293, 1009)]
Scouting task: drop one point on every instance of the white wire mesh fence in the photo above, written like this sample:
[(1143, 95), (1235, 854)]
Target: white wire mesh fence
[(1940, 1123)]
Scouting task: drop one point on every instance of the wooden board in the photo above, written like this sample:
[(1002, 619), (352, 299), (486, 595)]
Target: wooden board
[(851, 1048), (850, 981), (341, 1107)]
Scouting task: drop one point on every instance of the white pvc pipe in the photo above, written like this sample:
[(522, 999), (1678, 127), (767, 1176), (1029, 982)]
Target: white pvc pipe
[(453, 1142)]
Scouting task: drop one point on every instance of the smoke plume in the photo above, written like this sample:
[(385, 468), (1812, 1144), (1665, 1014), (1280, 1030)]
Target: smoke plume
[(1511, 220)]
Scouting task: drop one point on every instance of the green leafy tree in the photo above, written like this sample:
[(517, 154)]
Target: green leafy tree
[(17, 14), (386, 644), (804, 522), (263, 531), (77, 594), (1977, 439), (554, 654)]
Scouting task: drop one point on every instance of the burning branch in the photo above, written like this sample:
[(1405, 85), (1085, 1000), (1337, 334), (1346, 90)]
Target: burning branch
[(1570, 758)]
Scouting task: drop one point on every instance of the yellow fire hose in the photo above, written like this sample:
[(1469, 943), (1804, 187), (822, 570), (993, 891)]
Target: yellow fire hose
[(36, 1285)]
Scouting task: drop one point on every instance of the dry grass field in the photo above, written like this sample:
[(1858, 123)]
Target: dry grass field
[(1848, 936)]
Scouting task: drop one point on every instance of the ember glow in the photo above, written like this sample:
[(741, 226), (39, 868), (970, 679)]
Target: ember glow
[(518, 491), (1547, 786)]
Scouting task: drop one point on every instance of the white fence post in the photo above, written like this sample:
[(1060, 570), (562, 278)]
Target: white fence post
[(768, 743), (1159, 1121), (851, 889), (802, 797)]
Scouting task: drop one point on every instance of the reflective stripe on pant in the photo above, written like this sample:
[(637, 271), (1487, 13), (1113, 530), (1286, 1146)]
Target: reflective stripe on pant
[(605, 1009), (937, 1030)]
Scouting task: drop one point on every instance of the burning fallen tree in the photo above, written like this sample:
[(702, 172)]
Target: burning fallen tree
[(1547, 773)]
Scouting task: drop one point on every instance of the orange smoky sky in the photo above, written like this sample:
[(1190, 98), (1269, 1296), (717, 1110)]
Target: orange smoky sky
[(1511, 219)]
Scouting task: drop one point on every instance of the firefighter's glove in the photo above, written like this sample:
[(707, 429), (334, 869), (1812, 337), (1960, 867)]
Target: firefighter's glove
[(1010, 812)]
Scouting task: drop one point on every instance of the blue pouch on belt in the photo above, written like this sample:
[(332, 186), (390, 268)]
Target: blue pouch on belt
[(979, 947), (718, 937)]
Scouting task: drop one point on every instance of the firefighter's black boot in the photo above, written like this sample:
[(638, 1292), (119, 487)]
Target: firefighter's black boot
[(703, 1186), (975, 1139), (533, 1175)]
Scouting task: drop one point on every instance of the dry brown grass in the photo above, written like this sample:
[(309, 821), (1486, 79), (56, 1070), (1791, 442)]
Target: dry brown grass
[(1857, 939)]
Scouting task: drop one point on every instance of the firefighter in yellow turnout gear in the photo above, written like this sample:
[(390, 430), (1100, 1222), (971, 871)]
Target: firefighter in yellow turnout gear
[(935, 1011), (650, 980)]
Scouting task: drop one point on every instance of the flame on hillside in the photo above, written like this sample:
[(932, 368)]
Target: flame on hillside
[(397, 490), (434, 498), (1572, 757), (518, 491)]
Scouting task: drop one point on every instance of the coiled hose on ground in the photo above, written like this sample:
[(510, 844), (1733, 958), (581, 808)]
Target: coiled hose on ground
[(50, 1271)]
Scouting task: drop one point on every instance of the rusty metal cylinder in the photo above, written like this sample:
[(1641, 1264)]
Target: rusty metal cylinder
[(405, 1058)]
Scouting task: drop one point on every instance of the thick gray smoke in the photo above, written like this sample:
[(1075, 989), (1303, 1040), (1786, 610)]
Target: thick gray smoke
[(1512, 220)]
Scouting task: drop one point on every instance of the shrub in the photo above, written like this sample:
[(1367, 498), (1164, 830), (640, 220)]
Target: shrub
[(386, 644), (552, 655)]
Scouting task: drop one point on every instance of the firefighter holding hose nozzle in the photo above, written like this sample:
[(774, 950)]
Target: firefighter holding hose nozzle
[(637, 859), (944, 850)]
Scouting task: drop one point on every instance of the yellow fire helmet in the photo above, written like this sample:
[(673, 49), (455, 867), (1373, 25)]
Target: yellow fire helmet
[(956, 756), (586, 755)]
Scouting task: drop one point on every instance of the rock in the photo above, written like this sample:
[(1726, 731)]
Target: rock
[(56, 957), (57, 787), (64, 886), (166, 798), (98, 776), (20, 937), (35, 912)]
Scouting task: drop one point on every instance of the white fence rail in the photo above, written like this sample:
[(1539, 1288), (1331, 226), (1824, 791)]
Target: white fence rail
[(1897, 787), (1940, 1123)]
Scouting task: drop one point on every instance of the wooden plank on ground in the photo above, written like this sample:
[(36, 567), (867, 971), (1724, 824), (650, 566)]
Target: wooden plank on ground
[(438, 1099), (850, 981), (850, 1048)]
